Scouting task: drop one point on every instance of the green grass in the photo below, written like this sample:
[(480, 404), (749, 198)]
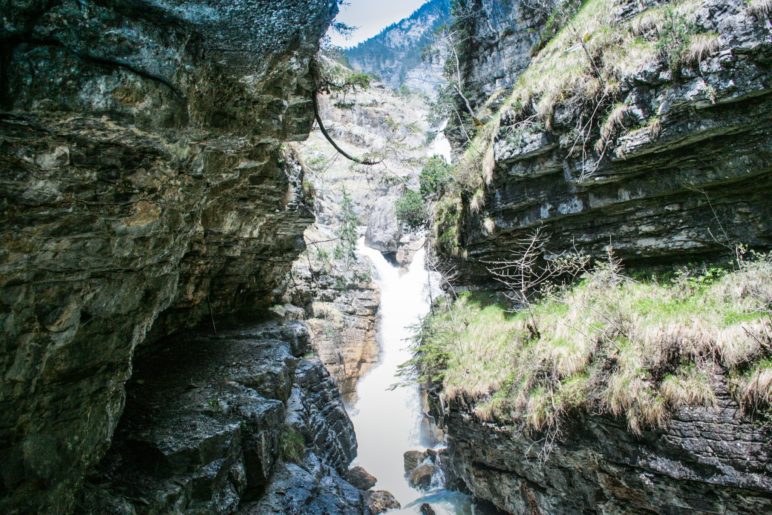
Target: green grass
[(632, 348), (292, 445)]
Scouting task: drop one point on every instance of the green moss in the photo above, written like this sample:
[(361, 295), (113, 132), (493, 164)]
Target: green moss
[(292, 445)]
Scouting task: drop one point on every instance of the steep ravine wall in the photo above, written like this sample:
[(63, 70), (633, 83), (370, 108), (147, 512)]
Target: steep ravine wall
[(142, 184), (708, 460), (682, 172), (662, 165), (337, 297)]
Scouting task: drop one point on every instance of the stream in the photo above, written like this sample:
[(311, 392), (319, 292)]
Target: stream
[(388, 420)]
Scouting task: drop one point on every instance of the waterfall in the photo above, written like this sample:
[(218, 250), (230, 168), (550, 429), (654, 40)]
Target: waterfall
[(387, 420)]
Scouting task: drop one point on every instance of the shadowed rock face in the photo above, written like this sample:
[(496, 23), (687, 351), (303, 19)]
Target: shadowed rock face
[(708, 460), (142, 184), (209, 423)]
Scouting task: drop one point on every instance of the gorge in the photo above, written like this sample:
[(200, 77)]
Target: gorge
[(565, 306)]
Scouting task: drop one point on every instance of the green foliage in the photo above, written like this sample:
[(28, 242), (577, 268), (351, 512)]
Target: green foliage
[(411, 209), (292, 445), (358, 80), (435, 176), (346, 249), (674, 35), (447, 224)]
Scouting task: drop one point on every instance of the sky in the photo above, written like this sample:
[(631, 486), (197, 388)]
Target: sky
[(370, 17)]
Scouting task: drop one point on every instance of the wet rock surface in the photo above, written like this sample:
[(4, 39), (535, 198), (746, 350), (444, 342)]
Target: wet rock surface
[(143, 187), (706, 461), (207, 425), (380, 501), (428, 469), (360, 478), (308, 487)]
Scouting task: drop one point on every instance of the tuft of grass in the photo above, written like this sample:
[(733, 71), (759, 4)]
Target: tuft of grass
[(292, 445), (761, 9), (700, 47), (689, 387), (608, 129), (754, 388), (478, 201), (632, 348)]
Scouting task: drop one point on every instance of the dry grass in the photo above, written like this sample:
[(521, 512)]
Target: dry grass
[(489, 225), (637, 349), (754, 388), (478, 201), (700, 47), (689, 387), (761, 9), (613, 123)]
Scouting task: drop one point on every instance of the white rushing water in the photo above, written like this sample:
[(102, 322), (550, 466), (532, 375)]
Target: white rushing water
[(388, 421)]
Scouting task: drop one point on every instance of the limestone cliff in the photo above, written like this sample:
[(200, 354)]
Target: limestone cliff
[(143, 186), (641, 125), (708, 460)]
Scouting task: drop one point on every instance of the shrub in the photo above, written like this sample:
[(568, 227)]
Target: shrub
[(411, 209), (674, 34), (346, 249), (358, 80), (434, 178)]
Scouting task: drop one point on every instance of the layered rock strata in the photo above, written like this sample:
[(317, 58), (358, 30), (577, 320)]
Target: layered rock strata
[(143, 187), (213, 423), (678, 169), (708, 460)]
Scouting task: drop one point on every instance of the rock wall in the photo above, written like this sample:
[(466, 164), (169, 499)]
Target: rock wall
[(213, 422), (674, 166), (708, 460), (339, 303), (499, 39), (683, 173), (143, 187)]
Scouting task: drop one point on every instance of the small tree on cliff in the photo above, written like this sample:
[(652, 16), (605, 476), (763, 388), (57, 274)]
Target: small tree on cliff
[(346, 249)]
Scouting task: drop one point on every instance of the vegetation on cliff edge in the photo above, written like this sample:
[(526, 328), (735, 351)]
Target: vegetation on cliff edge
[(609, 344), (584, 69)]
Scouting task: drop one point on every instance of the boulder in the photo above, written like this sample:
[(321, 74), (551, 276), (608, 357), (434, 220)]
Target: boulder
[(360, 478), (383, 229), (412, 459), (421, 476), (380, 501)]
